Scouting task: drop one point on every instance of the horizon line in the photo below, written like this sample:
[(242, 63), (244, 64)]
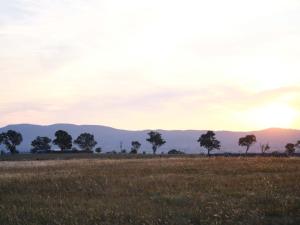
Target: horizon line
[(156, 129)]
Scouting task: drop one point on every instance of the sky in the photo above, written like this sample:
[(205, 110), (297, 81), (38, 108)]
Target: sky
[(136, 64)]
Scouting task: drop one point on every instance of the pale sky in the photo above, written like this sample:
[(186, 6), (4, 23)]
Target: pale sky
[(135, 64)]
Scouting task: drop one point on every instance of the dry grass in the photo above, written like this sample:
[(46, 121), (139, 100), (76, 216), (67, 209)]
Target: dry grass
[(151, 191)]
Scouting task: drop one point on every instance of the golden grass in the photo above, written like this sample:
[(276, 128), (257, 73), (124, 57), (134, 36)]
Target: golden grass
[(151, 191)]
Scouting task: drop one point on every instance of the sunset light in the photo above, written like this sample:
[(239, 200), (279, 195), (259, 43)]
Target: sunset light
[(154, 112), (273, 116), (136, 64)]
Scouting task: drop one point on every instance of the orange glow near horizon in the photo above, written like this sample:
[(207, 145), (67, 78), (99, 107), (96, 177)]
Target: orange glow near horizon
[(156, 64), (273, 116)]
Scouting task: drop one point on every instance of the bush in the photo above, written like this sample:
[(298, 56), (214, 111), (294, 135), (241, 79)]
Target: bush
[(98, 150), (175, 152)]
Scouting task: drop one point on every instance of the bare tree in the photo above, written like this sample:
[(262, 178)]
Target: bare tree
[(264, 148)]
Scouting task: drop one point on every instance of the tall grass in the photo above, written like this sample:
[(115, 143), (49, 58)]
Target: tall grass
[(151, 191)]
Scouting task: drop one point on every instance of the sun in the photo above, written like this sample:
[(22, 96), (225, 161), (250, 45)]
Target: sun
[(274, 115)]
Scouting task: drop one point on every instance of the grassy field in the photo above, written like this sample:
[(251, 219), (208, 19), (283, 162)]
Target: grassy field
[(151, 191)]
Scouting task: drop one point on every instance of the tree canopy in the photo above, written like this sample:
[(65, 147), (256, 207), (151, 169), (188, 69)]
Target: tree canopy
[(209, 142), (86, 142), (135, 146), (156, 140), (11, 139), (290, 148), (41, 144), (63, 140), (247, 141)]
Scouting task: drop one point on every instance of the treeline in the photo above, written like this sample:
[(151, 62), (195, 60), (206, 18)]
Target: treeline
[(86, 143)]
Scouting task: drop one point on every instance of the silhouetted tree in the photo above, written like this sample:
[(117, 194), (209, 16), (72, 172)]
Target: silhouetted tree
[(2, 135), (63, 140), (264, 148), (290, 148), (11, 139), (175, 152), (209, 142), (41, 144), (247, 141), (98, 150), (135, 146), (155, 140), (123, 151), (86, 142)]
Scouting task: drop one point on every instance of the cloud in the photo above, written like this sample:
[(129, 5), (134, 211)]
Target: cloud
[(164, 64), (214, 107)]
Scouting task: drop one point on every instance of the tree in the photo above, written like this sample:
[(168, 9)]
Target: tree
[(135, 146), (209, 142), (98, 150), (290, 148), (247, 141), (86, 142), (63, 140), (264, 148), (123, 151), (11, 139), (175, 152), (155, 140), (41, 144), (2, 135)]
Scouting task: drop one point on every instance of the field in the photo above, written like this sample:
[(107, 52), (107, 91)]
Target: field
[(169, 190)]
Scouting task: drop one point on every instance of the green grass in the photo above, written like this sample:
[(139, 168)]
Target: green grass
[(151, 191)]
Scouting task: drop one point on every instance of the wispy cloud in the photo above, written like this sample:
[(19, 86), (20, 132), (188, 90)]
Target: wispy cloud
[(163, 64)]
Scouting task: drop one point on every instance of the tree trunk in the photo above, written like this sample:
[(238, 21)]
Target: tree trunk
[(154, 150), (13, 149), (247, 149)]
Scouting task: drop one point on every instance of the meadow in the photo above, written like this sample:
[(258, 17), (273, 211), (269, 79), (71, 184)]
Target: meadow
[(167, 190)]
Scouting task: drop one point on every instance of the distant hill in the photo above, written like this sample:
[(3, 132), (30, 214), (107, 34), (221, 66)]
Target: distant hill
[(186, 140)]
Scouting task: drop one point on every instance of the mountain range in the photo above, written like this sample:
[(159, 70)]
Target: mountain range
[(110, 139)]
